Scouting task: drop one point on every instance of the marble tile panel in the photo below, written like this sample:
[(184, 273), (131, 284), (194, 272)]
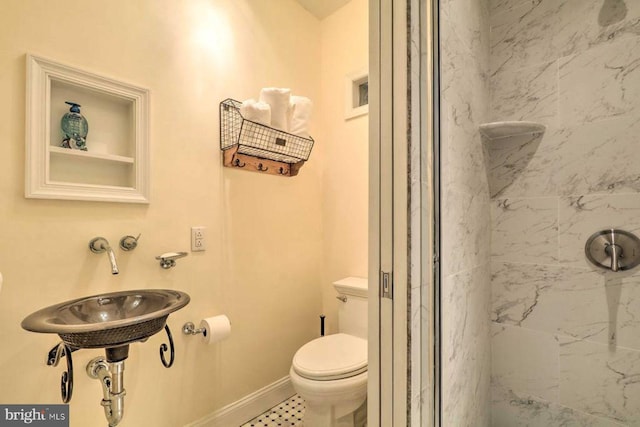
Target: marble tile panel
[(600, 380), (517, 291), (525, 361), (501, 6), (462, 109), (466, 347), (587, 159), (575, 302), (512, 409), (581, 216), (525, 230), (469, 20), (529, 94), (598, 157), (612, 75), (522, 166), (465, 311), (463, 79), (466, 231), (463, 163), (527, 33), (523, 35)]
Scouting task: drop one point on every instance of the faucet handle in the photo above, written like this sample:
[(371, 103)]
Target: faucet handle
[(615, 252), (97, 245), (129, 243)]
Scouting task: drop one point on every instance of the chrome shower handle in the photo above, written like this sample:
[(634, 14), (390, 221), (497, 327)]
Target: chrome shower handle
[(612, 249), (615, 252)]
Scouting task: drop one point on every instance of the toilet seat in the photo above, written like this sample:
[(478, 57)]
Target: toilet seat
[(331, 357)]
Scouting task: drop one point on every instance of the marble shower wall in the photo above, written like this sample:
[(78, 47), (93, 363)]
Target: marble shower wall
[(565, 336), (466, 220)]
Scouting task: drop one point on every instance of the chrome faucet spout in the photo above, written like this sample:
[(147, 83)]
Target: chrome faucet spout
[(112, 260), (99, 245)]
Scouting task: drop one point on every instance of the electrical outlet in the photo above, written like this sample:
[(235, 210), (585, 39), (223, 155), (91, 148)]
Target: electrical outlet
[(198, 239)]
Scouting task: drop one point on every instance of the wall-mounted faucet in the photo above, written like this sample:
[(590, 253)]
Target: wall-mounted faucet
[(99, 245)]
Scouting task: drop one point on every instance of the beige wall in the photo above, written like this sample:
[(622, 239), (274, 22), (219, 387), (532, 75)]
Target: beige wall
[(264, 259), (344, 47)]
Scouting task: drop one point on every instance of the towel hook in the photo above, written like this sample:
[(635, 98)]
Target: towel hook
[(237, 164), (261, 168)]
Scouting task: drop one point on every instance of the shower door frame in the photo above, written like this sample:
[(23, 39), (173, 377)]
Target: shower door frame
[(403, 378)]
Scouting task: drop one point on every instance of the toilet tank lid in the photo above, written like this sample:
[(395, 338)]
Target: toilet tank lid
[(356, 286)]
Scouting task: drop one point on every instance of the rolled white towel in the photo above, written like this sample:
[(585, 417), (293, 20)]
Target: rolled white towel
[(278, 99), (256, 111), (302, 108)]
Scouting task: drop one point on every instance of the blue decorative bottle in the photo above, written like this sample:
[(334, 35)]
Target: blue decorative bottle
[(75, 128)]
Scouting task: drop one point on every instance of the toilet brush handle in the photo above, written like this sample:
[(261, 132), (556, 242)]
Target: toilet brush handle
[(322, 316)]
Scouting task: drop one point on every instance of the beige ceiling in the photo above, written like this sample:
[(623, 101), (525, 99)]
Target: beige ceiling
[(322, 8)]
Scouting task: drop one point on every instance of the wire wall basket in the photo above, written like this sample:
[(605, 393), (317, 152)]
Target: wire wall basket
[(243, 140)]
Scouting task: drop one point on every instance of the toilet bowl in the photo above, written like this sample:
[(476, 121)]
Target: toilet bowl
[(330, 372)]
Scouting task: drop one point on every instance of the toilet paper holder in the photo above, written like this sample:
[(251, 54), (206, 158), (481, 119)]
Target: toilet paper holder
[(189, 328)]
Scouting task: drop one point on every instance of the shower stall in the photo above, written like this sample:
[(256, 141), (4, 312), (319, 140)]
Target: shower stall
[(539, 120)]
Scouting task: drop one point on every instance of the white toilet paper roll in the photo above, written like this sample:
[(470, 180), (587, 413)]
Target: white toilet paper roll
[(217, 328)]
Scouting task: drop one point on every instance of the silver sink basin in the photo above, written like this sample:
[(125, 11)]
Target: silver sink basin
[(108, 320)]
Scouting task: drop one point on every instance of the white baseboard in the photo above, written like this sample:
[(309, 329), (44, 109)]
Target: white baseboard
[(241, 411)]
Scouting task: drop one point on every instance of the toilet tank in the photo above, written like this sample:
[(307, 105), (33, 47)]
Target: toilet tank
[(352, 313)]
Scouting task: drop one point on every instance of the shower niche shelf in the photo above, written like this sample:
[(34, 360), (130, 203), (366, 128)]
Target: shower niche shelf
[(255, 147), (115, 167), (507, 129), (510, 147)]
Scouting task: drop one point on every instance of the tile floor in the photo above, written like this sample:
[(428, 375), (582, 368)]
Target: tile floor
[(286, 414)]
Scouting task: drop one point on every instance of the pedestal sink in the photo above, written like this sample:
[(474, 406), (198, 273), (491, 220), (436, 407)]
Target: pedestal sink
[(111, 321)]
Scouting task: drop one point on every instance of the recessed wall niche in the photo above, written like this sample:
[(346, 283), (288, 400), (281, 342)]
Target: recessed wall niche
[(115, 166), (356, 94)]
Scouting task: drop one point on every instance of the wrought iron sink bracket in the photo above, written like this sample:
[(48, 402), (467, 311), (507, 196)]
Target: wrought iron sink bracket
[(164, 348), (66, 381)]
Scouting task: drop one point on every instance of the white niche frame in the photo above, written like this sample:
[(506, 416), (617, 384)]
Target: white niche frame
[(352, 83), (44, 73)]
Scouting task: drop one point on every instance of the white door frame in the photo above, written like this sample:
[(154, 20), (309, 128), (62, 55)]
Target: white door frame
[(387, 116), (401, 351)]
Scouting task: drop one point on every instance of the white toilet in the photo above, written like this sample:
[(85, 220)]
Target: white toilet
[(330, 372)]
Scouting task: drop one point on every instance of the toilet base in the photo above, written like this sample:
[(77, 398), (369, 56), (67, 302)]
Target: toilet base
[(326, 417), (335, 403)]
